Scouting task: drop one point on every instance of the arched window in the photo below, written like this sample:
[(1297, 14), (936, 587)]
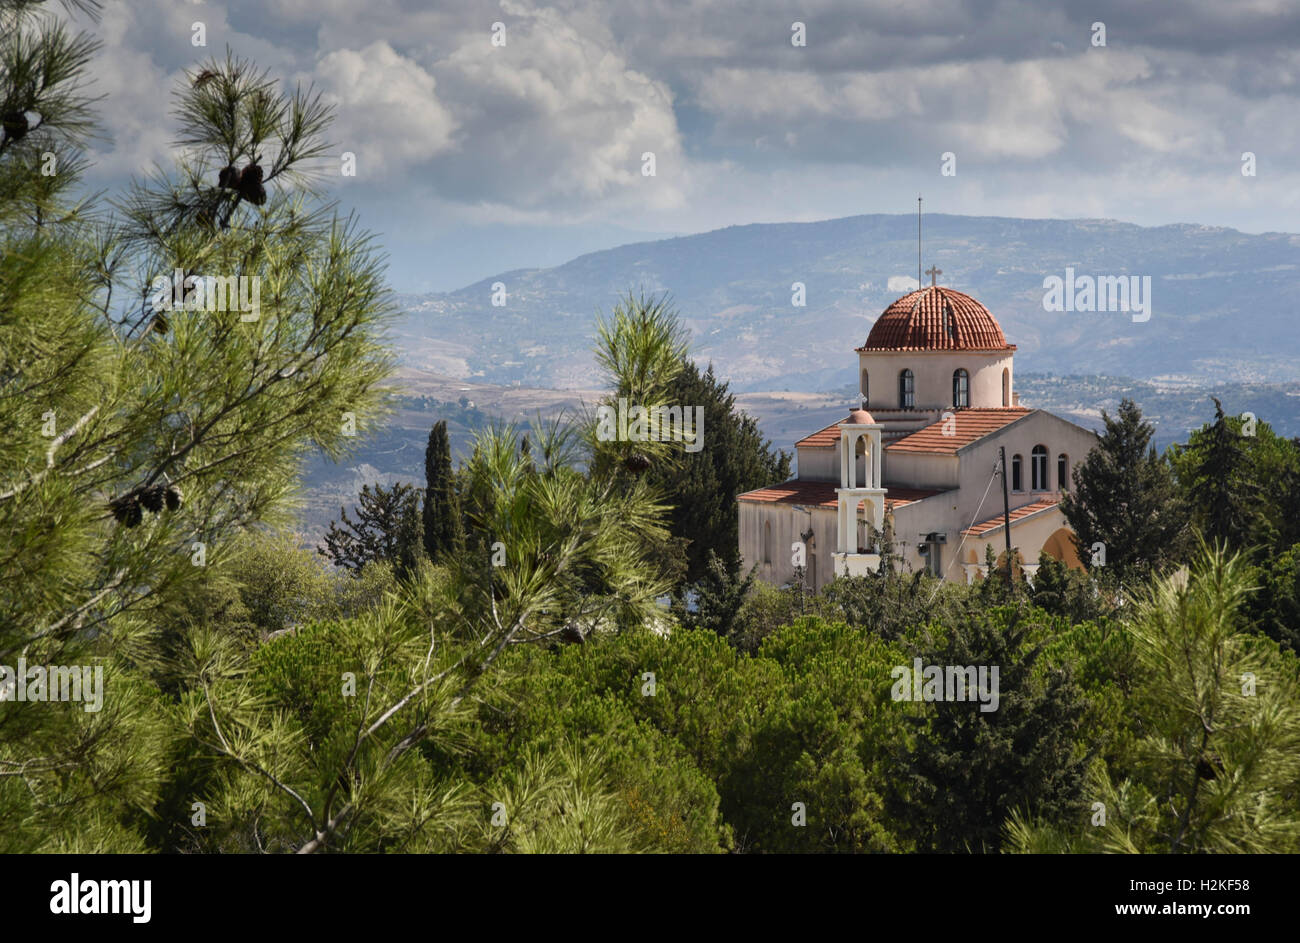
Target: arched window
[(1038, 468), (866, 395), (906, 390), (1017, 480), (960, 389), (1006, 387), (767, 541), (1062, 472)]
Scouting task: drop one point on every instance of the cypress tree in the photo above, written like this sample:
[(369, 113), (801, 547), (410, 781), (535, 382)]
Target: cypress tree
[(442, 524)]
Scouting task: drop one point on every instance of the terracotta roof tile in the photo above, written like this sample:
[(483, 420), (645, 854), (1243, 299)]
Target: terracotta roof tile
[(1017, 514), (936, 318), (822, 494), (970, 425), (823, 438)]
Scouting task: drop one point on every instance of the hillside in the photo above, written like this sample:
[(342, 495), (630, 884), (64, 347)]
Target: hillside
[(1221, 308)]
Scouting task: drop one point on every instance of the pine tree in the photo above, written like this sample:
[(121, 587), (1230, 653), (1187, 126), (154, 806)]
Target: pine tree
[(139, 436), (1124, 498), (387, 529), (556, 550), (443, 533), (1217, 713)]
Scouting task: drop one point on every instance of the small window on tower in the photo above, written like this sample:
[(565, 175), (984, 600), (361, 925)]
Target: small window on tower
[(960, 389), (1017, 479), (1062, 472), (866, 395), (906, 389)]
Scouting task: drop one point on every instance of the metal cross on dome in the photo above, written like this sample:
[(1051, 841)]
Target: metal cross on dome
[(934, 274)]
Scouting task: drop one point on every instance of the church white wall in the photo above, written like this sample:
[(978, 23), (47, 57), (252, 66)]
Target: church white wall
[(788, 523), (914, 521), (819, 464), (933, 372), (921, 470), (1019, 438), (951, 512)]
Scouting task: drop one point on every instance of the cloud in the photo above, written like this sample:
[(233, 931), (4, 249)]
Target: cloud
[(556, 119), (387, 109)]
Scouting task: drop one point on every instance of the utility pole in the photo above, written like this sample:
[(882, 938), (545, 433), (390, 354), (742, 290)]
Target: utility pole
[(1006, 508)]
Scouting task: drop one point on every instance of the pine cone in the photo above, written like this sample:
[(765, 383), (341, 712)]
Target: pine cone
[(250, 185), (126, 509), (228, 178), (15, 125), (174, 497), (637, 462), (160, 324), (152, 498)]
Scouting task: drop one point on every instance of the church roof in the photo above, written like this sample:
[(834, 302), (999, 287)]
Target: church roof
[(1017, 514), (822, 438), (830, 436), (969, 425), (936, 318), (822, 494)]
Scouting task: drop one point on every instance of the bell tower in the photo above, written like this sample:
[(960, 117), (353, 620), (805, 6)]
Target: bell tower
[(860, 475)]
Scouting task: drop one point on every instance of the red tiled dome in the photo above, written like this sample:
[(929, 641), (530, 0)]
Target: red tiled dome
[(936, 318)]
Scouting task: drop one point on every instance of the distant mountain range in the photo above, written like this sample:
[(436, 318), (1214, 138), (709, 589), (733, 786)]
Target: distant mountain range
[(1223, 302)]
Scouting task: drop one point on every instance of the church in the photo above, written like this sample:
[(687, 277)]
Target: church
[(939, 420)]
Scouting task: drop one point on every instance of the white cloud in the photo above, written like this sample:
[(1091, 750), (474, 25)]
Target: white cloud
[(556, 120), (387, 109)]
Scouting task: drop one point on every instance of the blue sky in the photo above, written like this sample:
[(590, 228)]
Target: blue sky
[(474, 158)]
